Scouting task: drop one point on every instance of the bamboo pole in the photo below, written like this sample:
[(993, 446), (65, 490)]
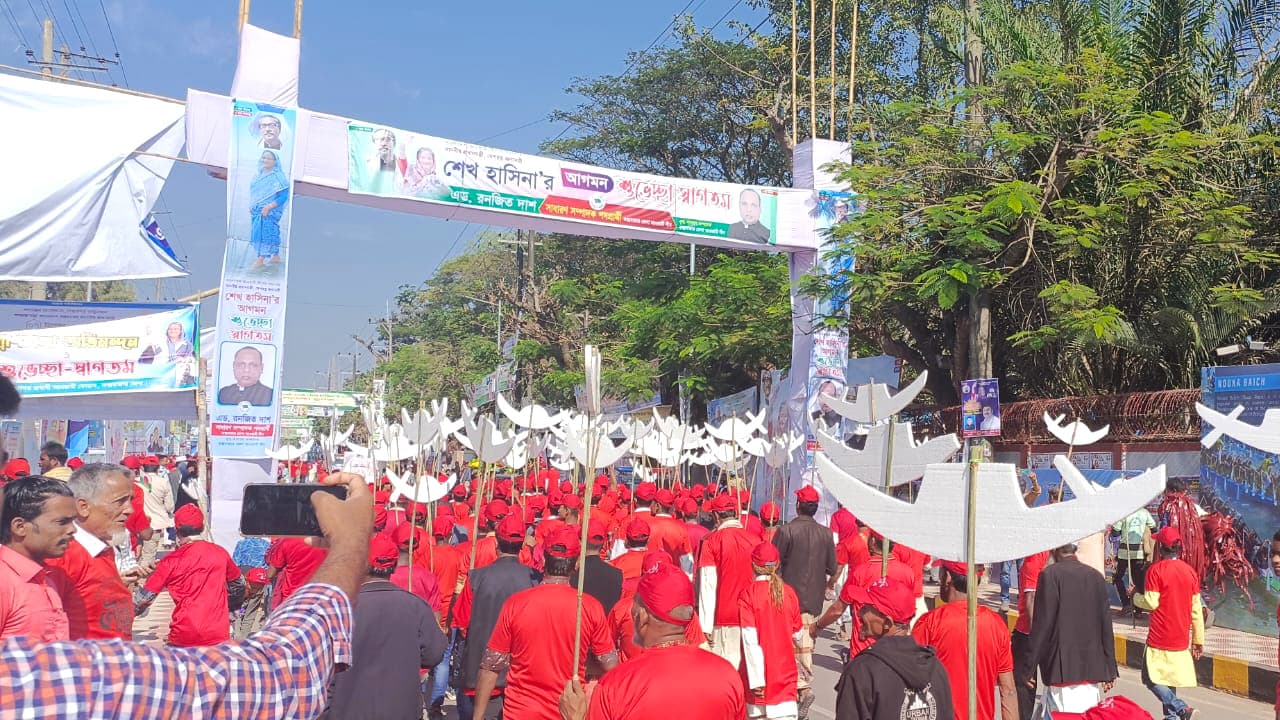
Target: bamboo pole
[(970, 545), (593, 449), (244, 15), (813, 70), (831, 104), (795, 55), (297, 19), (853, 64)]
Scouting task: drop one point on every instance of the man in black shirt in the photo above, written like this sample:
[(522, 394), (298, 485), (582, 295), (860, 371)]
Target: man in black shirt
[(808, 553), (601, 580)]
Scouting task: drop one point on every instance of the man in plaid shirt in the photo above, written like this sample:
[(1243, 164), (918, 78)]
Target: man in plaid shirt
[(281, 671)]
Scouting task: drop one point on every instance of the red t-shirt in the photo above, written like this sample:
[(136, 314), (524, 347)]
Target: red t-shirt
[(769, 660), (946, 629), (843, 524), (726, 558), (101, 607), (667, 533), (444, 563), (424, 584), (697, 534), (677, 681), (196, 575), (751, 524), (915, 560), (1028, 576), (623, 629), (536, 628), (1176, 582), (629, 563), (297, 562), (852, 550), (862, 576)]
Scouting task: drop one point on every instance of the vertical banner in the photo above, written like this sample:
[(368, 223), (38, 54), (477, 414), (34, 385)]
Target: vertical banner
[(980, 407), (244, 403), (820, 352)]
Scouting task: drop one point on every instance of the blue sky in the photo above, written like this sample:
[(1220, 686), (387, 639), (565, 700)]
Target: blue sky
[(470, 71)]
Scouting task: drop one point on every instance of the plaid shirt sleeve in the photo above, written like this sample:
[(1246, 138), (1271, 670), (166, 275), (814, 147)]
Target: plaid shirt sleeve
[(282, 671)]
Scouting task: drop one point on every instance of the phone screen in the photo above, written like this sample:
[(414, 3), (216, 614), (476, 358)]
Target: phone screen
[(272, 509)]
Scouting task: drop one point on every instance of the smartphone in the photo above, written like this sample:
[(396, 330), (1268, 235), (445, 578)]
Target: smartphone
[(271, 509)]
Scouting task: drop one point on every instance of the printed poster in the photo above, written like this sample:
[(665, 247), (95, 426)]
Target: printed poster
[(388, 162), (980, 408), (736, 405), (148, 353), (244, 403)]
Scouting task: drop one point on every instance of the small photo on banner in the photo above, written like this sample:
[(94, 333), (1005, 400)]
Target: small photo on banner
[(247, 366), (980, 407)]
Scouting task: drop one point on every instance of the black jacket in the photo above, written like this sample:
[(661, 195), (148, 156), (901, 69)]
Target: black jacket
[(894, 679), (490, 587), (602, 581), (808, 557), (395, 634), (1071, 638)]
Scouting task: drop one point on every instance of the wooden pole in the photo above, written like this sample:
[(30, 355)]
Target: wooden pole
[(297, 18), (593, 438), (244, 14), (831, 104)]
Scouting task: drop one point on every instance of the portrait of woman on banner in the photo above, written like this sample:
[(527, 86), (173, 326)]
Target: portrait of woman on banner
[(420, 179), (178, 344), (268, 194)]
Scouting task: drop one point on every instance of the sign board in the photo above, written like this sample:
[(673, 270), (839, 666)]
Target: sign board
[(980, 408)]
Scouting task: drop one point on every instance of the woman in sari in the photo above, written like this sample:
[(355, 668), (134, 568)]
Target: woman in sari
[(420, 179), (268, 193)]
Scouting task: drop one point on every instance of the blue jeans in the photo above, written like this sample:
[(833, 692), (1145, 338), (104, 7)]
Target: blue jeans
[(1008, 570), (1168, 697), (441, 677)]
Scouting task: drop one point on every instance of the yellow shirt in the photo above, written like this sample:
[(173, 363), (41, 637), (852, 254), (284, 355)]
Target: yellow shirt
[(62, 472)]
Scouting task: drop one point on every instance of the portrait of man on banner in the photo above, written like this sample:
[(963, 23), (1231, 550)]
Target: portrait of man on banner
[(247, 364)]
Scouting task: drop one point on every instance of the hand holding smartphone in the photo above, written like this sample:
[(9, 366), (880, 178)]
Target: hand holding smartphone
[(271, 509)]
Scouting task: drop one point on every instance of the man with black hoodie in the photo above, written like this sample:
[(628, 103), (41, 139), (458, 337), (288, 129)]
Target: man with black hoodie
[(895, 678)]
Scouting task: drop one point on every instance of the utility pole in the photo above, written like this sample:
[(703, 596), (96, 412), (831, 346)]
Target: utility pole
[(40, 289)]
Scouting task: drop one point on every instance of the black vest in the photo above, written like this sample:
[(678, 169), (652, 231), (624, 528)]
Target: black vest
[(490, 588)]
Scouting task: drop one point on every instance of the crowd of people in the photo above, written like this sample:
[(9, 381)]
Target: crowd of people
[(691, 604)]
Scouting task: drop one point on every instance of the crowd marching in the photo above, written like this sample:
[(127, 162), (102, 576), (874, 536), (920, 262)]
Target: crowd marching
[(692, 605)]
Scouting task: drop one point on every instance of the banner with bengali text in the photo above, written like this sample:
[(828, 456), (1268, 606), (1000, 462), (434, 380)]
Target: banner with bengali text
[(389, 162), (157, 352), (244, 404)]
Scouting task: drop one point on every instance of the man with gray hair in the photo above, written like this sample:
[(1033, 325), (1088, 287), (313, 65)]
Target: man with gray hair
[(380, 166), (101, 606)]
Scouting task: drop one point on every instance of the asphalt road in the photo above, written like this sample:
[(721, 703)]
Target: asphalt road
[(1213, 705)]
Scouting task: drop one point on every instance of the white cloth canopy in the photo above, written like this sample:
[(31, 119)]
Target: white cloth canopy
[(76, 191)]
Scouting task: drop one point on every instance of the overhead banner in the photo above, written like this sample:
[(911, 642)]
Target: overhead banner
[(149, 353), (243, 403), (731, 406), (387, 162)]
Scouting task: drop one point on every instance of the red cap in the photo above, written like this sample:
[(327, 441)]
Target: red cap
[(698, 492), (459, 491), (624, 493), (654, 558), (443, 526), (566, 487), (400, 536), (807, 494), (665, 497), (564, 543), (597, 532), (573, 502), (722, 503), (608, 503), (257, 575), (955, 567), (706, 506), (892, 598), (1168, 536), (664, 588), (151, 460), (538, 502), (75, 463), (495, 511), (687, 506), (511, 528), (770, 512), (189, 515), (765, 554), (133, 462), (16, 468), (383, 553), (646, 491), (637, 530)]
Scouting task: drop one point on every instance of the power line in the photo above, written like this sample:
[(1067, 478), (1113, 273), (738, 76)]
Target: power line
[(114, 46), (14, 24)]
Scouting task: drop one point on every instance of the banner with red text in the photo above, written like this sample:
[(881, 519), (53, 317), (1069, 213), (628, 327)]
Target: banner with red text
[(244, 401)]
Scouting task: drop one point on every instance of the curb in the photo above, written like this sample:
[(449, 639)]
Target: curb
[(1215, 672)]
